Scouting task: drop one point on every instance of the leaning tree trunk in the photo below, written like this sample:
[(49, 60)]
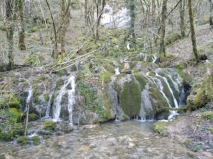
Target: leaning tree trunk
[(10, 32), (211, 13), (22, 45), (182, 17), (162, 50), (193, 39)]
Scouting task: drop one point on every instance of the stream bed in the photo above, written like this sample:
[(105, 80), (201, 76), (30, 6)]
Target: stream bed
[(113, 140)]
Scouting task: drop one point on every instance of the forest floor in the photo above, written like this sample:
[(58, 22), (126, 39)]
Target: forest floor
[(191, 129)]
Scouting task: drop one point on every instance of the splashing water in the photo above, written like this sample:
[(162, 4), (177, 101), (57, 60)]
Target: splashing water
[(71, 101), (117, 72)]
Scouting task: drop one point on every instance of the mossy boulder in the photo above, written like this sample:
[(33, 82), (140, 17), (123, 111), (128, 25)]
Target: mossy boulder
[(130, 98), (36, 140), (50, 125), (33, 117), (23, 140), (160, 128)]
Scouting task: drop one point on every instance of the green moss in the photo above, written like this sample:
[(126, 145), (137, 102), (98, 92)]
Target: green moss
[(33, 117), (200, 99), (46, 97), (158, 100), (61, 72), (34, 59), (36, 140), (208, 115), (16, 113), (185, 77), (6, 136), (34, 29), (130, 98), (8, 100), (107, 108), (38, 80), (49, 125), (23, 140), (105, 77), (141, 79), (159, 127), (211, 130)]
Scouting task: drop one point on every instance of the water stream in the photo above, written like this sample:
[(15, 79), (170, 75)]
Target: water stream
[(71, 99), (115, 140)]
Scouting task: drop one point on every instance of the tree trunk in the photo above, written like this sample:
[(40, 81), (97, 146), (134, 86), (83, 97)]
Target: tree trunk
[(10, 31), (193, 39), (182, 16), (64, 24), (99, 19), (22, 30), (163, 27), (211, 12), (55, 49)]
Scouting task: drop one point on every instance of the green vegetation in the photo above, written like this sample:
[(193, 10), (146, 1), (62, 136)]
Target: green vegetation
[(49, 125), (130, 98), (159, 127), (34, 59), (36, 140), (9, 101), (208, 115), (10, 115), (23, 140), (141, 79)]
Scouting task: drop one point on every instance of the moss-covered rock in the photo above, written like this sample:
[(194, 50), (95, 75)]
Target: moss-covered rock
[(130, 98), (49, 125), (159, 127), (141, 79), (159, 103), (35, 140), (33, 117), (23, 140)]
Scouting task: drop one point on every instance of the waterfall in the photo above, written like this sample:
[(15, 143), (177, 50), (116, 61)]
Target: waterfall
[(117, 72), (160, 86), (182, 97), (29, 96), (49, 102), (71, 101), (154, 58), (71, 98), (165, 80)]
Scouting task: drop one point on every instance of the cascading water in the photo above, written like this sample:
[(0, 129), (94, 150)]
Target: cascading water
[(165, 80), (47, 115), (160, 86), (71, 99), (154, 59), (29, 96), (117, 72)]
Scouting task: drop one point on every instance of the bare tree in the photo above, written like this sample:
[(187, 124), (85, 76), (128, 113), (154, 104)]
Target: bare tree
[(163, 26), (211, 12), (22, 25), (182, 17), (193, 38), (10, 31)]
